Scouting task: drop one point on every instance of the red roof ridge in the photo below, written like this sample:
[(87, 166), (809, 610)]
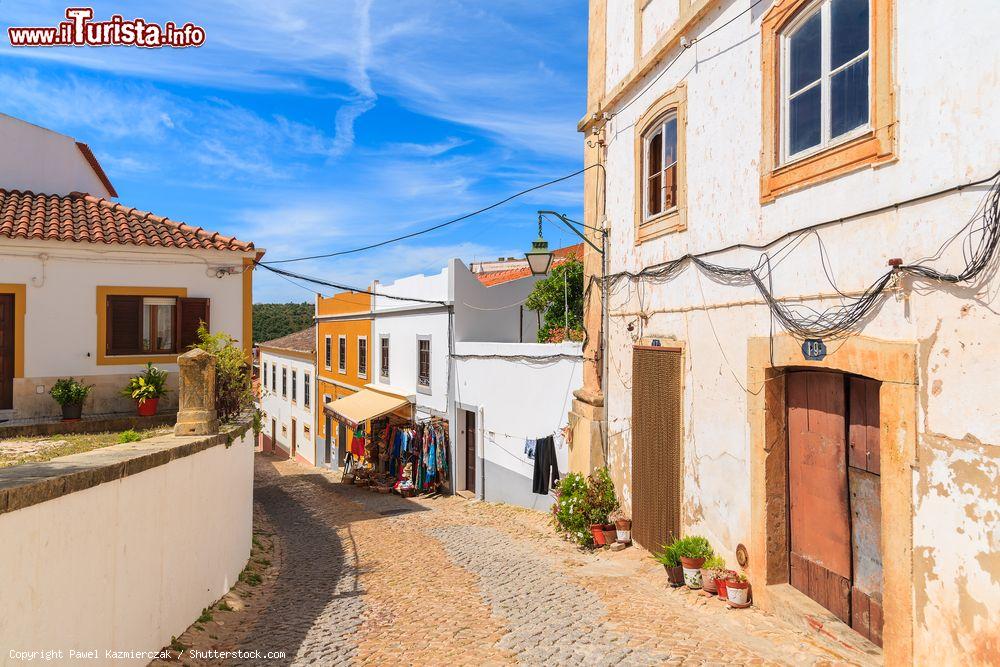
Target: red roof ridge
[(96, 166)]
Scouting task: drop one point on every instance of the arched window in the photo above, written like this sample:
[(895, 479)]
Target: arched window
[(660, 149), (660, 193)]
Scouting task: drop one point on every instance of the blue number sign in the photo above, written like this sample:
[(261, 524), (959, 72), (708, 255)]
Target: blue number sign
[(814, 349)]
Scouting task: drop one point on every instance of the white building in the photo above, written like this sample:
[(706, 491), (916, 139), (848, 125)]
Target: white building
[(728, 123), (288, 394), (94, 289)]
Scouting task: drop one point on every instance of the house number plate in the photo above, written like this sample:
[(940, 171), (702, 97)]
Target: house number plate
[(814, 349)]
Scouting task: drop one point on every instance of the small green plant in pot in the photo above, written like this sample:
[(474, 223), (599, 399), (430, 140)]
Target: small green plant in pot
[(147, 389), (601, 501), (671, 562), (70, 394), (709, 572), (738, 591), (693, 550)]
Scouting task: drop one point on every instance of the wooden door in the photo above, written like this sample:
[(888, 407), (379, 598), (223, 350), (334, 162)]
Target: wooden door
[(656, 445), (294, 429), (274, 435), (6, 351), (328, 448), (819, 521), (341, 444), (470, 450)]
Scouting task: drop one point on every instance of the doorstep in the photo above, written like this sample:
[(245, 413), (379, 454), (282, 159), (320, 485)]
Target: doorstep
[(790, 604), (468, 495)]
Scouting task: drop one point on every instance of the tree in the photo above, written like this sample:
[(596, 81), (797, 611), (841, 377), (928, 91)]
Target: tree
[(559, 298), (274, 320), (233, 392)]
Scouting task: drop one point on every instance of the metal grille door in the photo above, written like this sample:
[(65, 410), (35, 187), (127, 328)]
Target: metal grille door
[(656, 445)]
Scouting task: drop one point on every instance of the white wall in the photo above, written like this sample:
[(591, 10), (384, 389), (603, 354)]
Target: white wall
[(948, 134), (523, 394), (493, 313), (283, 410), (127, 564), (42, 161)]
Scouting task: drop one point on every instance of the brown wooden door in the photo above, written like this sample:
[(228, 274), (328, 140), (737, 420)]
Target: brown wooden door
[(470, 451), (656, 445), (294, 429), (819, 520), (341, 444), (834, 492), (6, 351), (274, 434)]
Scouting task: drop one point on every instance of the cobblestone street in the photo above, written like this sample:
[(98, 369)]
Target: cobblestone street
[(355, 577)]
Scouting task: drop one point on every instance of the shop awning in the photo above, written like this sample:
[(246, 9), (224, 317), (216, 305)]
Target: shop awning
[(364, 405)]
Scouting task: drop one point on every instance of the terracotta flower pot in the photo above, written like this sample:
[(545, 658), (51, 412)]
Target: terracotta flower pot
[(610, 535), (148, 407), (708, 581), (675, 575), (720, 584), (738, 593), (597, 531), (623, 530)]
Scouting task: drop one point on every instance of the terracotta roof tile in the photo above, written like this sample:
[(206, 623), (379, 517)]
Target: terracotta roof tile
[(559, 256), (87, 219), (300, 341)]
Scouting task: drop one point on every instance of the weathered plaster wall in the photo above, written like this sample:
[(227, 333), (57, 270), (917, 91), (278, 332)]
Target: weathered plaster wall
[(621, 40), (957, 598)]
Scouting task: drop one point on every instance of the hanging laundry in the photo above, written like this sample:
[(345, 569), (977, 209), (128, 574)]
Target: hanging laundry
[(529, 448), (546, 469)]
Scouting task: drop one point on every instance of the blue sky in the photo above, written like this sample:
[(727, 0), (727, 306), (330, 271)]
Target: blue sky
[(319, 126)]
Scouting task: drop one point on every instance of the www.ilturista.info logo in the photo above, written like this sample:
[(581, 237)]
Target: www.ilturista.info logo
[(81, 30)]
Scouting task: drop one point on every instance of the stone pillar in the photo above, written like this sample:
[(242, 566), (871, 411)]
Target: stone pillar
[(196, 413)]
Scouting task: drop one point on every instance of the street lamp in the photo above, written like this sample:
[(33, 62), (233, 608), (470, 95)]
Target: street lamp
[(539, 257)]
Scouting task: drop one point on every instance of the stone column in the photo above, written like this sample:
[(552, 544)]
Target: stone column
[(196, 413)]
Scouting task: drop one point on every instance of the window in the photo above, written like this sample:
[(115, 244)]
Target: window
[(661, 167), (362, 356), (264, 375), (306, 390), (295, 385), (383, 342), (328, 354), (284, 382), (423, 362), (135, 324), (342, 354), (825, 89), (274, 372), (827, 85), (660, 191)]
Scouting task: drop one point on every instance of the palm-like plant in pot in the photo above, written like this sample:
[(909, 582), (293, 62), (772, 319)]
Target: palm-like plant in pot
[(147, 389), (70, 394), (671, 562)]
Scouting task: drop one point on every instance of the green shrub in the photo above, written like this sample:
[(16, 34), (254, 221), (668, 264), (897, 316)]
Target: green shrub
[(570, 509), (693, 546), (233, 392), (715, 562), (600, 498), (668, 556), (559, 297), (67, 391), (129, 436)]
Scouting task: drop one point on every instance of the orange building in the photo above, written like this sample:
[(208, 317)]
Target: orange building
[(343, 364)]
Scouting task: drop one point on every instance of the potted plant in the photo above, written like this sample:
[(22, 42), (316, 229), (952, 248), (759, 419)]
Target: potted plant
[(623, 526), (70, 394), (693, 550), (709, 571), (146, 390), (600, 501), (671, 562), (738, 591), (722, 579)]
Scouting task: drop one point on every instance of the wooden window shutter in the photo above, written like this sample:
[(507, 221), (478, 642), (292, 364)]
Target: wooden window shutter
[(190, 314), (124, 325)]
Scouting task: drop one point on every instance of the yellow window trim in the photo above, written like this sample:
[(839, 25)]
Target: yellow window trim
[(674, 220), (875, 147), (103, 292), (20, 293)]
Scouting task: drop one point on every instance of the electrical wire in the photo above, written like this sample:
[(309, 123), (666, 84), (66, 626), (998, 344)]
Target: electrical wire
[(979, 250), (436, 227), (346, 288)]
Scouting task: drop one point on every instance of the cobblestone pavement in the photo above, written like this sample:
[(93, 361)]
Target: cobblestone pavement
[(356, 577)]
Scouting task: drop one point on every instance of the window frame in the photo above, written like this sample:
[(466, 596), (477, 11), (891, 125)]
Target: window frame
[(362, 357), (328, 352), (826, 74), (874, 146), (422, 387), (295, 384), (384, 351), (342, 354), (264, 374), (306, 391), (673, 219), (284, 381)]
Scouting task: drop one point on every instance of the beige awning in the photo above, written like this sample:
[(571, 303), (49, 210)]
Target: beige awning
[(364, 405)]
